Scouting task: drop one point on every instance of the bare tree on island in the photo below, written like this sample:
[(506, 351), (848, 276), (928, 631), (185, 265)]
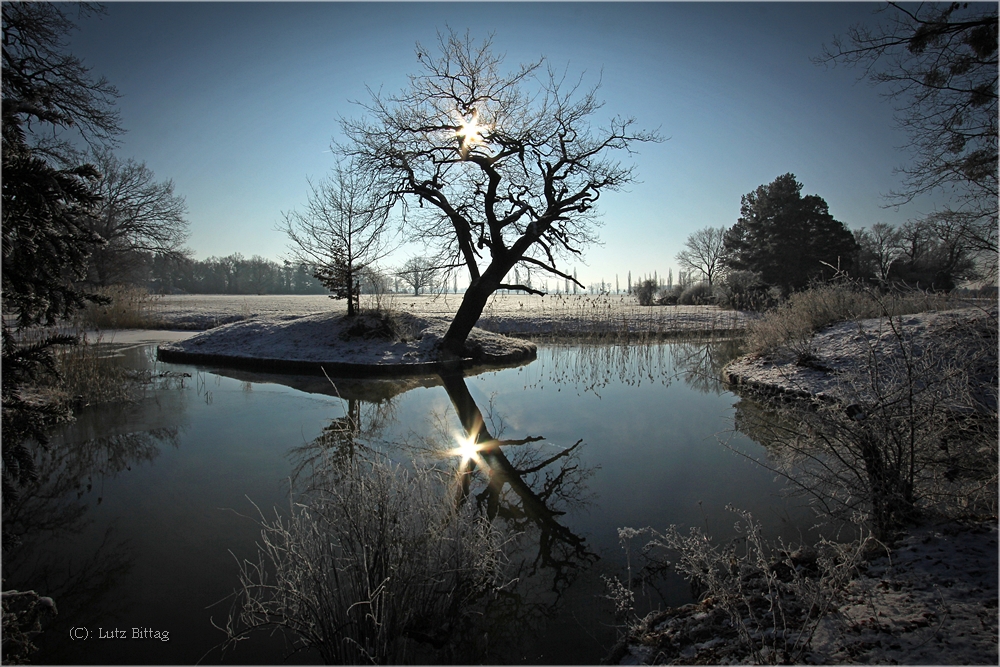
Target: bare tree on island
[(342, 231), (504, 167)]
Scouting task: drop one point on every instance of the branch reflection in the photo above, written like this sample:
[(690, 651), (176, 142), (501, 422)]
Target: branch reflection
[(527, 493)]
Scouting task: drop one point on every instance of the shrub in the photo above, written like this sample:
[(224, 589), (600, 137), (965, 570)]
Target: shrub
[(742, 290), (669, 296), (645, 292), (793, 322), (374, 562), (774, 597), (131, 307), (696, 295), (913, 429)]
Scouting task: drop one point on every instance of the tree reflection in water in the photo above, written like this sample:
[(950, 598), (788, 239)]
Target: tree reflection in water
[(531, 493), (55, 507), (522, 492), (591, 367)]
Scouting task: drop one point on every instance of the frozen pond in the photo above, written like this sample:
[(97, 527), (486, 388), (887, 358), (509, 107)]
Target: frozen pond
[(155, 501)]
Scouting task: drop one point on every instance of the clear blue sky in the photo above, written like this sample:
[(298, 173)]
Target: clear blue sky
[(237, 103)]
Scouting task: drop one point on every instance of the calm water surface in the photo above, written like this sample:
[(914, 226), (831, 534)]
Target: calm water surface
[(144, 509)]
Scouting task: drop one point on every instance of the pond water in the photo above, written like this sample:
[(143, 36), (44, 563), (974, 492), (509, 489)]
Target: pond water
[(143, 511)]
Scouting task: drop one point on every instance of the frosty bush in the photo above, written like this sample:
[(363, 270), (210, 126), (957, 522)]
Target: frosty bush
[(742, 290), (697, 294), (645, 292), (914, 430), (376, 565), (773, 596)]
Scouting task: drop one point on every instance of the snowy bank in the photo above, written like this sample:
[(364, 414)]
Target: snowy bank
[(330, 342), (932, 599), (836, 362)]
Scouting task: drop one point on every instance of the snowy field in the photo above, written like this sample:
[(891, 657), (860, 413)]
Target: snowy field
[(505, 313)]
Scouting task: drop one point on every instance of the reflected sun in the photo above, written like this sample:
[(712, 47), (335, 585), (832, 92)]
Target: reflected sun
[(467, 450)]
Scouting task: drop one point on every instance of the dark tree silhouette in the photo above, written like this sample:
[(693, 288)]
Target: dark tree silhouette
[(559, 548), (505, 167), (47, 207), (788, 239), (937, 63), (137, 214)]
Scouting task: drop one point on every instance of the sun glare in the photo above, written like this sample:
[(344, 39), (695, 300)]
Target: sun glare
[(467, 450), (470, 132)]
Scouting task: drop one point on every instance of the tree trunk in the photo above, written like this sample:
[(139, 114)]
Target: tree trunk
[(473, 303)]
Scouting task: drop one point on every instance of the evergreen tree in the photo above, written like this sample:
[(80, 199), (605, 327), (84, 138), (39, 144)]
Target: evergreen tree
[(788, 239), (47, 208)]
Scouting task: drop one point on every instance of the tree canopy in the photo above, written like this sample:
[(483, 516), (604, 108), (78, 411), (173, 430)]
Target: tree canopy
[(48, 203), (787, 238), (703, 252), (136, 215), (493, 167), (937, 63)]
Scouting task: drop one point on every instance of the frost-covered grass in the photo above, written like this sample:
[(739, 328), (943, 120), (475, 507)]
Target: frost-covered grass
[(336, 341), (375, 564), (505, 313), (130, 308)]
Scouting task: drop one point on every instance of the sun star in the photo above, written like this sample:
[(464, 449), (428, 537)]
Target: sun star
[(470, 132), (466, 450)]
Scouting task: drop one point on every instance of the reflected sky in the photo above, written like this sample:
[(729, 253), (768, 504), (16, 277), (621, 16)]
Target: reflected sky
[(643, 453)]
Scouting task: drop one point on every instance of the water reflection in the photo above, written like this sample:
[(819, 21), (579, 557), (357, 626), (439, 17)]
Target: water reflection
[(519, 487), (350, 437), (530, 492), (592, 367), (41, 525), (700, 364)]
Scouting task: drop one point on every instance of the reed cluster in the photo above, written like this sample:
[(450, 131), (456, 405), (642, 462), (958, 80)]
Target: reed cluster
[(130, 307)]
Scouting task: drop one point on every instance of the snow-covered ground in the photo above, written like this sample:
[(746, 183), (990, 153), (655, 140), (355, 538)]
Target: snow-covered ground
[(407, 343), (837, 362), (931, 601), (505, 313)]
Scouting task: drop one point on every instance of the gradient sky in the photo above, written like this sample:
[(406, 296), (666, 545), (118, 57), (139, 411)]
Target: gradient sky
[(237, 103)]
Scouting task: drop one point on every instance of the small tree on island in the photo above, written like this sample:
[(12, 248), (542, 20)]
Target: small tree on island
[(342, 231), (505, 167)]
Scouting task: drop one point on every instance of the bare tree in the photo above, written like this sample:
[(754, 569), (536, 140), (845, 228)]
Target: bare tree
[(418, 273), (137, 214), (879, 248), (703, 252), (505, 166), (938, 64), (342, 230)]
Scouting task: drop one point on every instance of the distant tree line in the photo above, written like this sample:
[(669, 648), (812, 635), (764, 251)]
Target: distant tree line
[(784, 242), (233, 274)]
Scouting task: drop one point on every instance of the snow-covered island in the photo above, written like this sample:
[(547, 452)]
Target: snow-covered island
[(368, 344)]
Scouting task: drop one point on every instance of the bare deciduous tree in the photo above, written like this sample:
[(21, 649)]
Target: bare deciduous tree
[(703, 252), (938, 65), (505, 166), (418, 273), (342, 231), (137, 214), (878, 249)]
